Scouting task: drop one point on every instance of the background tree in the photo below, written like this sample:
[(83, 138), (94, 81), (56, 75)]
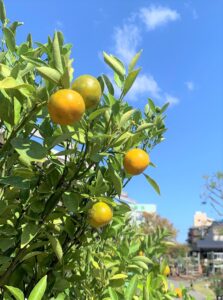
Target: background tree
[(213, 192), (152, 221)]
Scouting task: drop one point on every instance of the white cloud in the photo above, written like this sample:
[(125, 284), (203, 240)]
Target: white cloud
[(127, 40), (171, 99), (59, 24), (144, 85), (155, 16), (190, 85)]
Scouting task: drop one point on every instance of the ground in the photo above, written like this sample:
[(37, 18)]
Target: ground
[(199, 291)]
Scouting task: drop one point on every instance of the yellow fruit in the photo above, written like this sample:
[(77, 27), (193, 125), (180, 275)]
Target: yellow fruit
[(89, 88), (141, 253), (100, 215), (178, 293), (136, 161), (166, 271), (66, 107)]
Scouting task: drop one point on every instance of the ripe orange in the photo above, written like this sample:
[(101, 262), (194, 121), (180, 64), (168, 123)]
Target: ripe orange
[(166, 271), (178, 292), (136, 161), (66, 107), (100, 214), (89, 88)]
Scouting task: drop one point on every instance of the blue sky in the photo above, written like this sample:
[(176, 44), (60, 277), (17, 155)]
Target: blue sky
[(182, 62)]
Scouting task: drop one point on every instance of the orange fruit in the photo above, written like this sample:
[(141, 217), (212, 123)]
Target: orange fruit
[(66, 107), (178, 292), (100, 214), (89, 88), (166, 271), (136, 161)]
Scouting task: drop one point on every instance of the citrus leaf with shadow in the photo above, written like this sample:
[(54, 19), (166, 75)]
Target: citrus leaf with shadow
[(29, 231), (29, 150), (17, 293), (15, 181)]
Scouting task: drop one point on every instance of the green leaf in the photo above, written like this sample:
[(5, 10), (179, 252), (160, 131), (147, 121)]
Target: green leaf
[(122, 139), (125, 118), (108, 84), (130, 80), (2, 12), (65, 79), (116, 180), (29, 231), (152, 105), (31, 254), (132, 287), (119, 82), (141, 264), (153, 183), (11, 83), (119, 276), (112, 294), (5, 70), (61, 296), (164, 107), (114, 63), (56, 53), (30, 40), (97, 113), (71, 201), (16, 293), (101, 83), (17, 110), (15, 181), (15, 25), (134, 61), (9, 39), (29, 150), (146, 293), (60, 38), (37, 62), (38, 291), (144, 126), (6, 243), (55, 243), (143, 259), (49, 74), (56, 140)]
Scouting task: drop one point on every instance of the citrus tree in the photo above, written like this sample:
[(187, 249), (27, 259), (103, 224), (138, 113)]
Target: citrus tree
[(68, 148)]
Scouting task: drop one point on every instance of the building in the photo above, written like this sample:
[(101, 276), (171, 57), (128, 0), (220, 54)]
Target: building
[(138, 208), (206, 243)]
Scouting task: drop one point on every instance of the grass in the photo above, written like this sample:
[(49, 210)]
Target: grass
[(201, 287)]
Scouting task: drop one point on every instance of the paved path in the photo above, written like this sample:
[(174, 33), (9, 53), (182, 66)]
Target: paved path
[(196, 295)]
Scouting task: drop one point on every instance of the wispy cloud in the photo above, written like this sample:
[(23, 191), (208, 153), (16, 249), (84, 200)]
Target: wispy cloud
[(59, 24), (127, 42), (155, 16), (144, 84), (127, 39), (190, 85), (171, 99)]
